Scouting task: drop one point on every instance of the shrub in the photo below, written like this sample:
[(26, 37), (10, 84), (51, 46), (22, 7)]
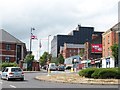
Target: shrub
[(6, 64), (107, 73), (102, 73), (95, 75), (87, 72)]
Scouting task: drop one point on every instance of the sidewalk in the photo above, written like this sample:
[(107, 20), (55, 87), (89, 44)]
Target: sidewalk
[(75, 78)]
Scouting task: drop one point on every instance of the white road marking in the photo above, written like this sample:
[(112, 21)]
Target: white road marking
[(12, 86)]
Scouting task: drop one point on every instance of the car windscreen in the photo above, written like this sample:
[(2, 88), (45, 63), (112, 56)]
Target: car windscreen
[(16, 70)]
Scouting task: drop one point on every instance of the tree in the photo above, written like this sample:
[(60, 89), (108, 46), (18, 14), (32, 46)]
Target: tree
[(54, 60), (60, 59), (43, 58), (81, 52), (114, 49), (29, 59)]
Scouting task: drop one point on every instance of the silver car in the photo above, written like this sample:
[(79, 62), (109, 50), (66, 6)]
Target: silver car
[(12, 73)]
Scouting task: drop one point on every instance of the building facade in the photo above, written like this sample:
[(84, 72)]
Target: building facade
[(78, 36), (11, 49), (110, 37), (93, 51), (69, 50)]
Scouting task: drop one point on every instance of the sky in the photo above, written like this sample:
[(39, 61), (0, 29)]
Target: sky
[(53, 17)]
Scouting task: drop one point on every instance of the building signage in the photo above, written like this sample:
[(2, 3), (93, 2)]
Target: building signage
[(96, 48)]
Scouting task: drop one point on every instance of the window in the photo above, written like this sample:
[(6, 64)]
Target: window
[(7, 58), (7, 46), (16, 70), (6, 70), (74, 50)]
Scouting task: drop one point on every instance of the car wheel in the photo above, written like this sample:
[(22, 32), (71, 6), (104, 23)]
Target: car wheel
[(8, 79)]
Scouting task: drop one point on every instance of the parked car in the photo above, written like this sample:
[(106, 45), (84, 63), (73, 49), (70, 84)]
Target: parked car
[(44, 67), (12, 73), (61, 68), (52, 67), (68, 67)]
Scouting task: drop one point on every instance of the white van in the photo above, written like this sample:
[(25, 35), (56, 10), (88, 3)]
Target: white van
[(52, 67)]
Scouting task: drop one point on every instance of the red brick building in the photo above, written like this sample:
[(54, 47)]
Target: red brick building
[(69, 50), (11, 49), (109, 38)]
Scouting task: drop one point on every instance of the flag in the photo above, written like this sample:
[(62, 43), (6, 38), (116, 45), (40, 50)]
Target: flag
[(40, 44), (33, 37)]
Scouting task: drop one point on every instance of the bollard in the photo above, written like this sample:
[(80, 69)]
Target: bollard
[(71, 69), (49, 72), (75, 69)]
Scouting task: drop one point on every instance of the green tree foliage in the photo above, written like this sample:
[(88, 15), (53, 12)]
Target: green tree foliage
[(44, 58), (8, 64), (81, 52), (29, 59), (60, 59), (54, 60), (114, 49)]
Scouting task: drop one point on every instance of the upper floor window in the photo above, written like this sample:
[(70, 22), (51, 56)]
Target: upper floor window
[(8, 46)]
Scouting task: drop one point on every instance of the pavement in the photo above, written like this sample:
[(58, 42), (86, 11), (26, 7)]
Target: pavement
[(74, 78)]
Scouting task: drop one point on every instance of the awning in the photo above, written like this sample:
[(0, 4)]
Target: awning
[(88, 61), (97, 61), (84, 61)]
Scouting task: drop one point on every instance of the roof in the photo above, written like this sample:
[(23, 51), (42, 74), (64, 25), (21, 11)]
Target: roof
[(6, 37), (68, 45), (114, 28)]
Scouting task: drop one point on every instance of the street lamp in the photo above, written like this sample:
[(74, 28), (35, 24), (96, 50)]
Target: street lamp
[(31, 39), (48, 43)]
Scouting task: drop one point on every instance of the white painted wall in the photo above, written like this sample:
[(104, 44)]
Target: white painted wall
[(111, 65)]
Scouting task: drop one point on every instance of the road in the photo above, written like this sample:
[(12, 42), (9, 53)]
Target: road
[(30, 82)]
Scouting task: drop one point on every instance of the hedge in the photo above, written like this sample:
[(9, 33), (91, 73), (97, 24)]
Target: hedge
[(107, 73), (95, 75), (6, 64), (87, 72), (101, 73)]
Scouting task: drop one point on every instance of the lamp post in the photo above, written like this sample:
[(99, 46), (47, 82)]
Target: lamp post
[(31, 39)]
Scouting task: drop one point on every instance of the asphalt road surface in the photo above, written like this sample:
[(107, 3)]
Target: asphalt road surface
[(30, 82)]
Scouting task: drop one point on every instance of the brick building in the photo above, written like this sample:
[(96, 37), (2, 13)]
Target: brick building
[(78, 36), (93, 50), (11, 49), (110, 37), (69, 50)]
